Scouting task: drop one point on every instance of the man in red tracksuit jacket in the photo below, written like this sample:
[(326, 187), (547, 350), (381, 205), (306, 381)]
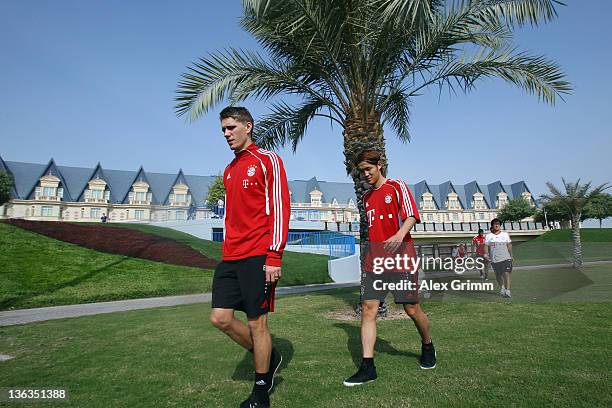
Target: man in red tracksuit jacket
[(256, 225)]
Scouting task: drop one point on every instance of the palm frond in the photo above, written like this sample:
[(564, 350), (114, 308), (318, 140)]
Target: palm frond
[(286, 124), (534, 74), (237, 75), (518, 12), (397, 114)]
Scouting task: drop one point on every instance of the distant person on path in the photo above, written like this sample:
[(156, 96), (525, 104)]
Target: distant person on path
[(103, 218), (392, 213), (499, 252), (220, 208), (257, 212), (478, 248)]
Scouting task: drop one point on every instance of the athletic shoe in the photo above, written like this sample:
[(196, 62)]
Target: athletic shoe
[(382, 309), (251, 402), (428, 356), (508, 294), (275, 361), (502, 291), (364, 375)]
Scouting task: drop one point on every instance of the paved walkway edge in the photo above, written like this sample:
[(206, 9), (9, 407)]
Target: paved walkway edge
[(23, 316)]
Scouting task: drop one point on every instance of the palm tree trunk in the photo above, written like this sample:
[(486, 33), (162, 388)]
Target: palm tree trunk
[(576, 239), (360, 135)]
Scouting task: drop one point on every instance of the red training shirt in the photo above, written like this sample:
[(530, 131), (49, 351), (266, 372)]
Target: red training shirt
[(386, 207), (257, 206), (479, 243)]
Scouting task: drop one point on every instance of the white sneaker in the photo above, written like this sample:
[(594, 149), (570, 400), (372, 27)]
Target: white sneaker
[(502, 291), (508, 293)]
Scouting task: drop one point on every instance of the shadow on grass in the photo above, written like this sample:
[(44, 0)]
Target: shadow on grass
[(6, 304), (245, 371), (353, 344)]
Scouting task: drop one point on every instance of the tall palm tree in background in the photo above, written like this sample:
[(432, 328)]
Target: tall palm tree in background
[(573, 201), (360, 63)]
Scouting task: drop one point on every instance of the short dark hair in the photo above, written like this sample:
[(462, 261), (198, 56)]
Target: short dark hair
[(239, 113), (496, 220), (480, 230), (368, 156)]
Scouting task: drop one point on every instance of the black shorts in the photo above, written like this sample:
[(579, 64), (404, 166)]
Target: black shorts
[(241, 285), (404, 287), (503, 266)]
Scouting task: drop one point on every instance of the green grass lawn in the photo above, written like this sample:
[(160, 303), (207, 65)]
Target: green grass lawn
[(556, 247), (502, 353), (40, 271)]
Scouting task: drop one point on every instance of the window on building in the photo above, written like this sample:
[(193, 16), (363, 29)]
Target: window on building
[(97, 194), (180, 198), (46, 211), (429, 217), (314, 215), (481, 216), (139, 214), (141, 196), (95, 213), (179, 214), (48, 191)]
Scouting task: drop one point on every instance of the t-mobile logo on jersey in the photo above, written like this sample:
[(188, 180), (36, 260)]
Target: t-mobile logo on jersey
[(370, 217)]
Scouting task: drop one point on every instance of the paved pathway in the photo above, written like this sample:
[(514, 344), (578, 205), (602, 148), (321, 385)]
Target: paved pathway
[(22, 316)]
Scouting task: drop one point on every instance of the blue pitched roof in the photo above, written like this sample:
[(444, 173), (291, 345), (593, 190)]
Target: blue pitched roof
[(140, 176), (53, 170), (98, 173), (420, 188), (434, 189), (74, 180), (198, 188), (469, 190), (179, 179), (25, 176), (298, 191), (494, 189), (342, 192), (160, 185)]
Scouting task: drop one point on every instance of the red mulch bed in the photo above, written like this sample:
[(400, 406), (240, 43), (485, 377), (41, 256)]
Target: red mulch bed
[(121, 241)]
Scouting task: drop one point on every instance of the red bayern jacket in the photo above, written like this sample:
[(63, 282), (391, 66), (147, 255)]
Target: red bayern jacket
[(257, 206)]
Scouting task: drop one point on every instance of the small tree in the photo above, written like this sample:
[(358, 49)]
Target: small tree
[(552, 212), (599, 208), (216, 192), (516, 210), (574, 200), (6, 184)]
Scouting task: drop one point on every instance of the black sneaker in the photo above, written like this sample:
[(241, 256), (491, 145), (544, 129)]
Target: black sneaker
[(252, 402), (428, 356), (364, 375), (275, 361)]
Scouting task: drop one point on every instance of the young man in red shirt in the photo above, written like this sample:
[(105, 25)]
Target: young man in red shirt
[(478, 246), (391, 213), (257, 209)]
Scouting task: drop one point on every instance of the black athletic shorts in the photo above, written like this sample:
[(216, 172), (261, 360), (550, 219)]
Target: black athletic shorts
[(404, 287), (503, 266), (241, 285)]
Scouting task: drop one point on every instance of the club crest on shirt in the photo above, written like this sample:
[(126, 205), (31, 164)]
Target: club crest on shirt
[(251, 170), (388, 199)]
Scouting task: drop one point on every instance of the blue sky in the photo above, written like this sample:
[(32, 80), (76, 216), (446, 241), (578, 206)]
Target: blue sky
[(89, 81)]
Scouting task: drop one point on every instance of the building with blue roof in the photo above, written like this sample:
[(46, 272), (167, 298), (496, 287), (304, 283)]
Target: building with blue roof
[(53, 192)]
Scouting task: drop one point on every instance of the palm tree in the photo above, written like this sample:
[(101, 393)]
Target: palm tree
[(573, 201), (360, 64)]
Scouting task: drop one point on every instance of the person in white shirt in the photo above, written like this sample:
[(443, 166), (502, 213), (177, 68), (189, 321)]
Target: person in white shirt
[(499, 252)]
